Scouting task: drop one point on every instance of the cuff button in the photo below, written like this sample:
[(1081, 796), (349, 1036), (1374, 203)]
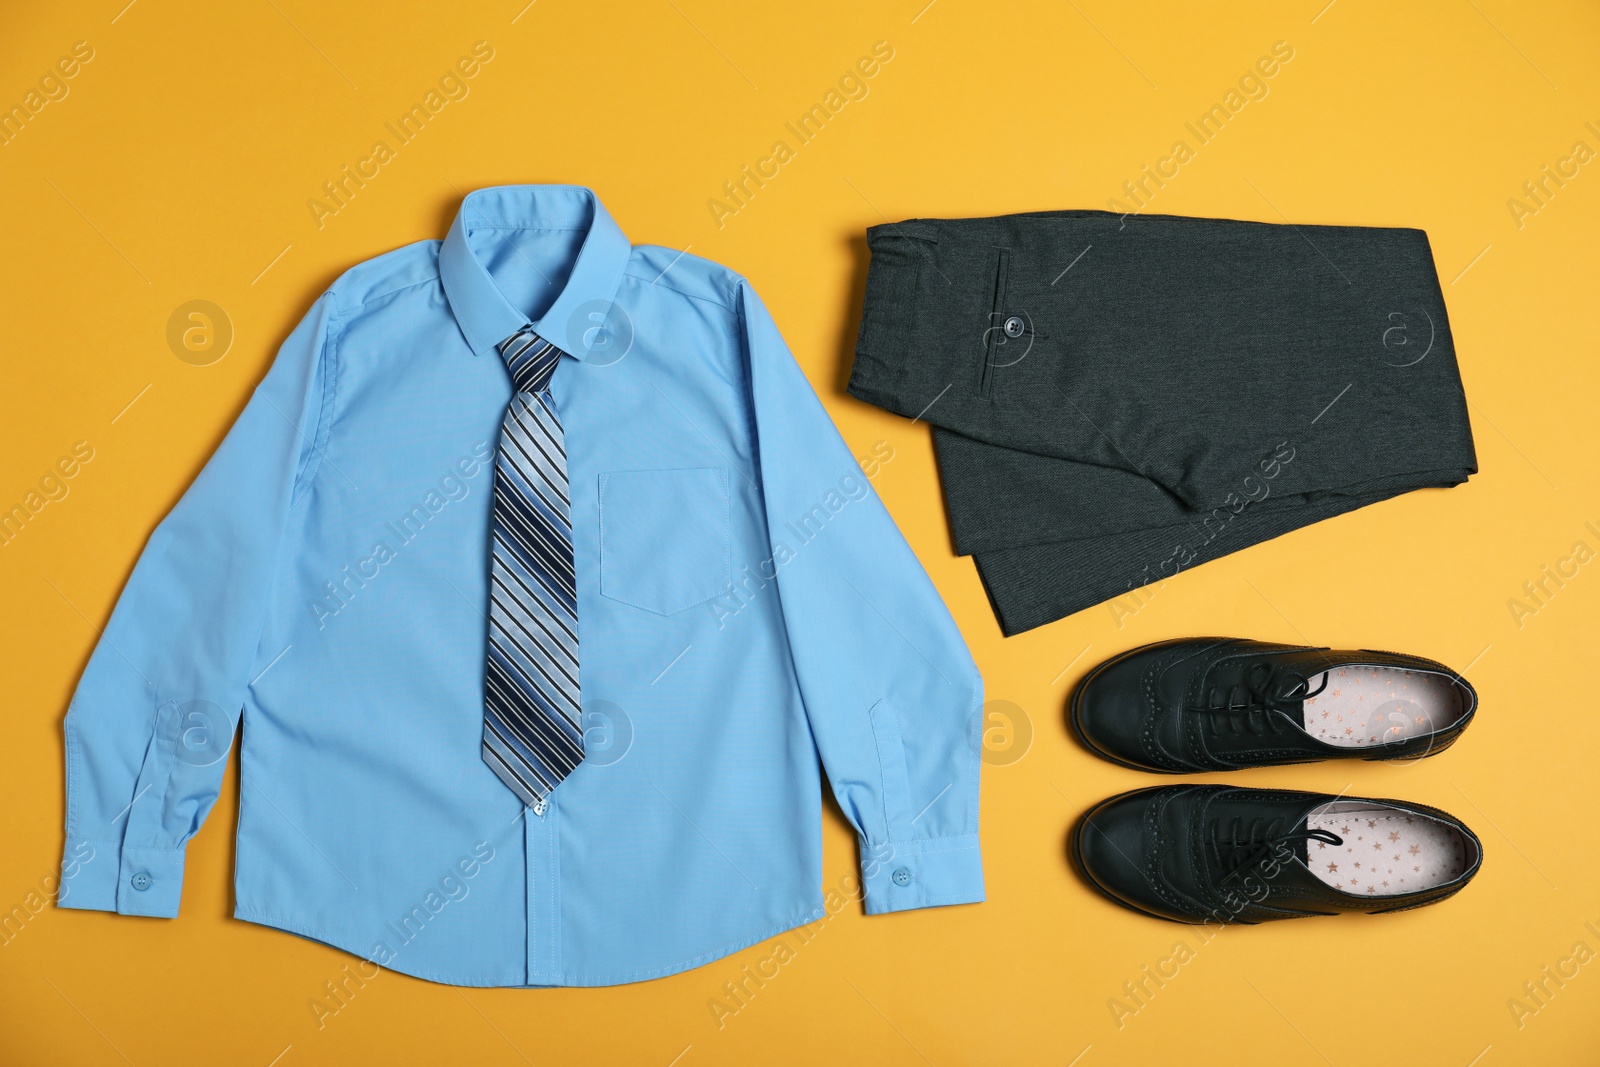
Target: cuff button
[(901, 876), (140, 881)]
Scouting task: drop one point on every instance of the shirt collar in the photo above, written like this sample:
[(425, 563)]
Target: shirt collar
[(485, 316)]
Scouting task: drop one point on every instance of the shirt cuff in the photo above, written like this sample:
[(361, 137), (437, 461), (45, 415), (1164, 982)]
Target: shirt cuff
[(927, 873), (135, 881)]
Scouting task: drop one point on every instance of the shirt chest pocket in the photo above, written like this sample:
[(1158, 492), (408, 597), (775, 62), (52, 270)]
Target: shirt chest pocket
[(664, 537)]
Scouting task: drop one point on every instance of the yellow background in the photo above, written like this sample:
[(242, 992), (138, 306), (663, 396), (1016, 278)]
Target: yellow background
[(180, 165)]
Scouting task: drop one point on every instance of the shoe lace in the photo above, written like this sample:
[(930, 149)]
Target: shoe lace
[(1240, 847), (1259, 700)]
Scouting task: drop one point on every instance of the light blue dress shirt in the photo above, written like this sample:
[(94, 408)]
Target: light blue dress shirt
[(750, 619)]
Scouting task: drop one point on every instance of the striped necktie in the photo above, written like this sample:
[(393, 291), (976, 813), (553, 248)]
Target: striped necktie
[(531, 734)]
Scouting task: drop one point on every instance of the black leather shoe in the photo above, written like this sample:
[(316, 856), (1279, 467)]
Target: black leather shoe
[(1217, 704), (1222, 854)]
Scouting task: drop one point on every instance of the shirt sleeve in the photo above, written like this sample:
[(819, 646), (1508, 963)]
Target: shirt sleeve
[(150, 726), (892, 694)]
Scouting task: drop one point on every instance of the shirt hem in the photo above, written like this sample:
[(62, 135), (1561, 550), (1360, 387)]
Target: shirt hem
[(570, 981)]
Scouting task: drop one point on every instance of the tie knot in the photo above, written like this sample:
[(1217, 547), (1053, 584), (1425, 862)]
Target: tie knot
[(530, 359)]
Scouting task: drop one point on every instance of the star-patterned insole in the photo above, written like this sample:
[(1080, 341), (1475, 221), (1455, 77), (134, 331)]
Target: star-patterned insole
[(1385, 852), (1376, 705)]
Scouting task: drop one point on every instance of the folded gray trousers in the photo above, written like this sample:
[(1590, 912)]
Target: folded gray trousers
[(1116, 399)]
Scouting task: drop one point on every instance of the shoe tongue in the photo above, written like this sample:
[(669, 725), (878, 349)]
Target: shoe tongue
[(1303, 848), (1264, 676), (1298, 873), (1312, 666), (1297, 710), (1283, 866), (1245, 732)]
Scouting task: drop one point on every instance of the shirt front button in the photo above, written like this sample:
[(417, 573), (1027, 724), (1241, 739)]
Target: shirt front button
[(901, 876), (140, 881), (1014, 326)]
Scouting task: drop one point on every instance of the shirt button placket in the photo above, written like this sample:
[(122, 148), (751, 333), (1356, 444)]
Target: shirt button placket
[(542, 837)]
